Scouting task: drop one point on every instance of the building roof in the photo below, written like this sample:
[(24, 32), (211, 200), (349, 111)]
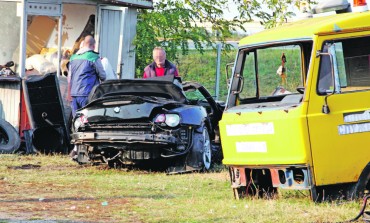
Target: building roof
[(308, 28), (147, 4)]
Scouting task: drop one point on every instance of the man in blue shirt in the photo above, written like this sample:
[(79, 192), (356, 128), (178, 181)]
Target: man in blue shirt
[(86, 71)]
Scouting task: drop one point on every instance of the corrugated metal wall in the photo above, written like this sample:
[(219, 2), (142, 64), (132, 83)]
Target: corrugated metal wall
[(128, 52), (9, 102), (111, 22)]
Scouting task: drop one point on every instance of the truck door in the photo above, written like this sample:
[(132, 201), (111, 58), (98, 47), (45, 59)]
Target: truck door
[(339, 109)]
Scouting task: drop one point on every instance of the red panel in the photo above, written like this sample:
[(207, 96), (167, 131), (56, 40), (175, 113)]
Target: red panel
[(243, 179), (275, 177), (359, 2), (24, 121)]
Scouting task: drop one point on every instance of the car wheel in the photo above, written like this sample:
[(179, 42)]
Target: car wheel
[(199, 157), (207, 150), (9, 138)]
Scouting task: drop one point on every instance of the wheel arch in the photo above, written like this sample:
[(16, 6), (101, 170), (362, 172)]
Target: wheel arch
[(206, 123), (363, 183)]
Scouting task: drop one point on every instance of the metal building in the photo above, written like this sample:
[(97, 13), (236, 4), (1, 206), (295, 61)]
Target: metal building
[(51, 28)]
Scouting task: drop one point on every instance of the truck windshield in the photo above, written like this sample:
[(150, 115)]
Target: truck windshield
[(10, 29), (352, 63), (271, 71)]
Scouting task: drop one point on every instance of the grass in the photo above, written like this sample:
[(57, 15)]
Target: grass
[(55, 188)]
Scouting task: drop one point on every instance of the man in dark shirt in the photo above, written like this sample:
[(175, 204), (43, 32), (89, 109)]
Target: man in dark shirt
[(160, 66)]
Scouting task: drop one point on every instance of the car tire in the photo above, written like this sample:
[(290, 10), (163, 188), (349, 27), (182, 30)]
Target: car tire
[(200, 157), (207, 150), (9, 138)]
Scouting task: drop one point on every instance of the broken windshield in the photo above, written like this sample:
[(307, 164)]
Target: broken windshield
[(271, 71)]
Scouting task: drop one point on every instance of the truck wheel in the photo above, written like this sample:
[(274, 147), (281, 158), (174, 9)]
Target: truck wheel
[(9, 138), (362, 186)]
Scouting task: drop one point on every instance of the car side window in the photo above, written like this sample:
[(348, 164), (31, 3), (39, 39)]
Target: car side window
[(194, 95), (197, 98)]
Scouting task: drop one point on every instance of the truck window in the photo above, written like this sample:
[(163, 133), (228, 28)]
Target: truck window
[(352, 62), (249, 77), (272, 76)]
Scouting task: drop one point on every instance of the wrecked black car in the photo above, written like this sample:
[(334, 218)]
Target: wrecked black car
[(159, 121)]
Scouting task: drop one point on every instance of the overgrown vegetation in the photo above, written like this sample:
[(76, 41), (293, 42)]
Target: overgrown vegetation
[(201, 68), (55, 188), (172, 24)]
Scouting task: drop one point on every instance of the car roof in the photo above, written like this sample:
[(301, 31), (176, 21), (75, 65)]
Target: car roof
[(306, 29), (158, 87)]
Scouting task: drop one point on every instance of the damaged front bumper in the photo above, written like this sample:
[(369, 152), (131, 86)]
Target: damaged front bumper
[(99, 137), (134, 145), (297, 177)]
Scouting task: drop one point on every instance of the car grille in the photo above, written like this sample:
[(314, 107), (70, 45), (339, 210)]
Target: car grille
[(132, 128), (136, 129)]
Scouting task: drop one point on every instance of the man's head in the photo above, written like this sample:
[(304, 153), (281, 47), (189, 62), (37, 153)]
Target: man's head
[(89, 42), (159, 56)]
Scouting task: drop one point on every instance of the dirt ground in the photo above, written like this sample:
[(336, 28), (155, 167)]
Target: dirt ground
[(36, 200)]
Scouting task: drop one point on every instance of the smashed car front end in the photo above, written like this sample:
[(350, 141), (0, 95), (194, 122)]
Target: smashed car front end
[(128, 125), (138, 139)]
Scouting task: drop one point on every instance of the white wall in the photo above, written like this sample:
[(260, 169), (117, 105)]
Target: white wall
[(10, 27), (74, 21)]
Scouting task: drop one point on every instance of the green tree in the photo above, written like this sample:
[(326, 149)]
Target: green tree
[(173, 23), (270, 13)]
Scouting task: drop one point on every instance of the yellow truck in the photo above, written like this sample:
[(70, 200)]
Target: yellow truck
[(298, 109)]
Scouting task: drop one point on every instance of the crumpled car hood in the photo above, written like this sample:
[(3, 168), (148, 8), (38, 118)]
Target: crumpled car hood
[(158, 87), (115, 108)]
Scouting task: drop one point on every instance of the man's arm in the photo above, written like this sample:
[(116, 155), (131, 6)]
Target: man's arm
[(144, 75), (176, 72), (100, 70)]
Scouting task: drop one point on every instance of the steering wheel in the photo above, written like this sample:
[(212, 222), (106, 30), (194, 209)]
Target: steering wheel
[(300, 90)]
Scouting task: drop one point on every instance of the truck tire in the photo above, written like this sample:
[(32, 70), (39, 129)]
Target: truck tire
[(9, 138)]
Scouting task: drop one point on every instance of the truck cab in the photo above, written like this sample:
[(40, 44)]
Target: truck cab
[(297, 114)]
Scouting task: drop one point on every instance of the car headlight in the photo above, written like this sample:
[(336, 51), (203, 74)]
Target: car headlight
[(172, 120)]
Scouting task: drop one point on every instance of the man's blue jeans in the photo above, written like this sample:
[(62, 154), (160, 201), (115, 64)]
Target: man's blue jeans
[(77, 103)]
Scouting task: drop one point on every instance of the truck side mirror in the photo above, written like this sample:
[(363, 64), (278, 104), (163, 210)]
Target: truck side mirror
[(330, 52)]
